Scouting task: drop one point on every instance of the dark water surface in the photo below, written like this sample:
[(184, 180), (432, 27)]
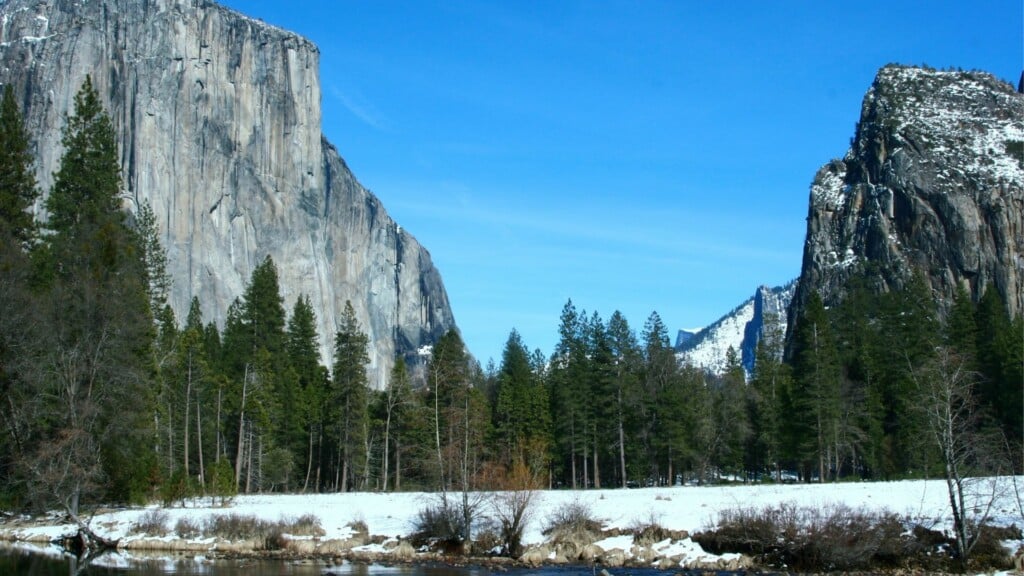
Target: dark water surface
[(18, 561)]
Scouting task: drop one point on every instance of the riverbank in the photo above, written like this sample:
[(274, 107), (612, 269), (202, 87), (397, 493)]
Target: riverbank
[(374, 527)]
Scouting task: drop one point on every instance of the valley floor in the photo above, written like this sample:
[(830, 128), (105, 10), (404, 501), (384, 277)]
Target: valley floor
[(391, 516)]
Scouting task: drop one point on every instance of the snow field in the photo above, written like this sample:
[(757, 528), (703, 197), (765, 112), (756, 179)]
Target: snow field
[(687, 508)]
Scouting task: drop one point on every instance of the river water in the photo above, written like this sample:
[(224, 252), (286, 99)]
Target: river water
[(26, 561)]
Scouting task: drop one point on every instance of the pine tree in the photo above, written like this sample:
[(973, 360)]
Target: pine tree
[(998, 354), (350, 395), (18, 191), (397, 398), (154, 258), (961, 329), (599, 394), (663, 406), (568, 394), (770, 377), (815, 387), (100, 324), (302, 345), (263, 310), (84, 205), (513, 421), (731, 415), (626, 366)]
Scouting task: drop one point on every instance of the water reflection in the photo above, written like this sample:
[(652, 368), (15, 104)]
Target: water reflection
[(32, 561)]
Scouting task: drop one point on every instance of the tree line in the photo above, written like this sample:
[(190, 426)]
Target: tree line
[(108, 397)]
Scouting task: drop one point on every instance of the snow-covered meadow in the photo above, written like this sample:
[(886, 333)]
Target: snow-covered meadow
[(688, 508)]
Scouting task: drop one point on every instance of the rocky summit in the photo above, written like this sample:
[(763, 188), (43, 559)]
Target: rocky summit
[(218, 117), (933, 183)]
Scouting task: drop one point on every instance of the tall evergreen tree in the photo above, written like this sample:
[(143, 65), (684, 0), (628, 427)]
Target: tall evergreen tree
[(351, 390), (568, 396), (101, 327), (515, 419), (626, 368), (998, 354), (154, 258), (302, 345), (816, 387), (663, 408), (18, 190), (600, 395), (770, 377)]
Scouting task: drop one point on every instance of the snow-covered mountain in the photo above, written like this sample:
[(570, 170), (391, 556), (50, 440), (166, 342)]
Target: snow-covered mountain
[(740, 329)]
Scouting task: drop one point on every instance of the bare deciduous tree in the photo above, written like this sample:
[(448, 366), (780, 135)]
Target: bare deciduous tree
[(970, 456)]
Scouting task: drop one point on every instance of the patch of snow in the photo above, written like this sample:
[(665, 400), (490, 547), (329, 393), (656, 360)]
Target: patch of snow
[(689, 508), (829, 190)]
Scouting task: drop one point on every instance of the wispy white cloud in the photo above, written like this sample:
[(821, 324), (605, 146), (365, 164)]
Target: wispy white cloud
[(361, 110)]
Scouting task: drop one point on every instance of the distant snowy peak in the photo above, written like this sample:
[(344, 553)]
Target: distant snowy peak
[(740, 329)]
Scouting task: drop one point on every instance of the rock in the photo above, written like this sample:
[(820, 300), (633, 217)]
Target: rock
[(535, 555), (589, 552), (933, 182), (644, 554), (219, 125), (667, 564), (613, 558), (404, 551)]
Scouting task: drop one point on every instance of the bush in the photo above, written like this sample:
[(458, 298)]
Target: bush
[(186, 528), (152, 523), (438, 521), (649, 531), (805, 539), (306, 525), (572, 521), (222, 481), (989, 552), (176, 489), (236, 527), (275, 540)]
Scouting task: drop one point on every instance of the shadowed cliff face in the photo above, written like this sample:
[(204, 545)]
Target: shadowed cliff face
[(219, 124), (933, 182)]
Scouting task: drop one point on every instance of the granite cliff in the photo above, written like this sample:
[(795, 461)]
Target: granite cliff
[(933, 183), (219, 123)]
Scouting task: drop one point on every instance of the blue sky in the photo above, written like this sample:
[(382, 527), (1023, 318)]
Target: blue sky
[(636, 156)]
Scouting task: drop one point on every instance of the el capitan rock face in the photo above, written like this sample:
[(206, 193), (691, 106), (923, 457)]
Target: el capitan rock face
[(933, 183), (218, 117)]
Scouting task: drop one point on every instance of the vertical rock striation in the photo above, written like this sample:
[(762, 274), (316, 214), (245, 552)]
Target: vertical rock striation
[(933, 183), (220, 130)]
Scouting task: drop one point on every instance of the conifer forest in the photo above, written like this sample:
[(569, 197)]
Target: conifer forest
[(107, 396)]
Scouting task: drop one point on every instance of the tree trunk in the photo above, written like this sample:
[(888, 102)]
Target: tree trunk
[(216, 451), (309, 461), (387, 445), (241, 429), (188, 404), (572, 451), (320, 455), (398, 463), (170, 439), (622, 450), (199, 441)]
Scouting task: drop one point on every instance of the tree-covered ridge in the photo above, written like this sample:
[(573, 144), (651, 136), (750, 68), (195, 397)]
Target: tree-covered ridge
[(110, 398)]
